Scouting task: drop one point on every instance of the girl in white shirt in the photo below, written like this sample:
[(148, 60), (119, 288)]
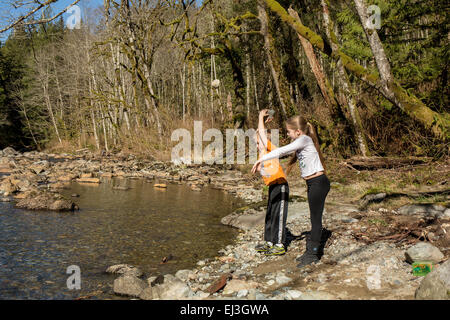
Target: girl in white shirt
[(305, 146)]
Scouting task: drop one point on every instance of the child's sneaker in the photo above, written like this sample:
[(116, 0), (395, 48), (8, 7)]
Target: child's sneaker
[(263, 247), (275, 251)]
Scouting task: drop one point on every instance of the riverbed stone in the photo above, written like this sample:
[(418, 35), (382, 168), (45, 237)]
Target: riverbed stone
[(8, 151), (349, 220), (446, 213), (39, 166), (202, 295), (6, 168), (124, 269), (7, 187), (185, 275), (316, 295), (129, 285), (294, 294), (171, 289), (242, 293), (436, 284), (236, 285), (281, 279), (66, 177), (423, 251), (89, 180)]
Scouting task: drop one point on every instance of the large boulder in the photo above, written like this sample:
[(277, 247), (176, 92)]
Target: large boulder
[(436, 284), (423, 251), (46, 201), (426, 210), (129, 285)]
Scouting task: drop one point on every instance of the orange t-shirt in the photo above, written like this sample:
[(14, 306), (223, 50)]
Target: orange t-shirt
[(271, 170)]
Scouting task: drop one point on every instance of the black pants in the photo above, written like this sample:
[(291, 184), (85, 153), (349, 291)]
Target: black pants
[(318, 188), (276, 216)]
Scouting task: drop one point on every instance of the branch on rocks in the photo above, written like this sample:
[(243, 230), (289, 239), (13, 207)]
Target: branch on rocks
[(219, 284)]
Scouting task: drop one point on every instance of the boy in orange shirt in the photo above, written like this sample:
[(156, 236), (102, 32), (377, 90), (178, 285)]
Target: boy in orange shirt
[(277, 207)]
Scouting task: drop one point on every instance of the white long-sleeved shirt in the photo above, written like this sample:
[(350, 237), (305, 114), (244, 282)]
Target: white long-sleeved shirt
[(307, 155)]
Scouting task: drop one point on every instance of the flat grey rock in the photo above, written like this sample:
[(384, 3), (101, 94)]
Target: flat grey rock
[(129, 285), (423, 251)]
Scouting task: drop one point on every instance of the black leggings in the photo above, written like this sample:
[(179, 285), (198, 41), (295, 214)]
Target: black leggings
[(318, 188)]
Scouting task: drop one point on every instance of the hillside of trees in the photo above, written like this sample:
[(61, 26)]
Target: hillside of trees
[(126, 80)]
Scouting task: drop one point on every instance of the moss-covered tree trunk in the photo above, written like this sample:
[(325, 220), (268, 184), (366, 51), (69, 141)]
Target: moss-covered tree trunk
[(316, 68), (410, 104), (344, 83)]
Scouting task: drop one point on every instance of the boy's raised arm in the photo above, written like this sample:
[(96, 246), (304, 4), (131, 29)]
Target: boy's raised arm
[(261, 128)]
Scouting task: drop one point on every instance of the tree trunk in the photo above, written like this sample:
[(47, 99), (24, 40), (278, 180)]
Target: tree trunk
[(255, 87), (50, 109), (377, 47)]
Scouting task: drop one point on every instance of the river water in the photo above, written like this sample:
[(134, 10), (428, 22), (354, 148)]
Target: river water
[(139, 226)]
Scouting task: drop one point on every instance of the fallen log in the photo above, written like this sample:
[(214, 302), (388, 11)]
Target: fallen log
[(373, 163), (380, 196)]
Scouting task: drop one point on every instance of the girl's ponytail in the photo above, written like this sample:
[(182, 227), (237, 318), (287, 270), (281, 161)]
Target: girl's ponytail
[(312, 133), (299, 122)]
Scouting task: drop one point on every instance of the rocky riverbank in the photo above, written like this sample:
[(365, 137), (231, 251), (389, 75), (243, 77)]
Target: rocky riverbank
[(367, 254), (33, 179)]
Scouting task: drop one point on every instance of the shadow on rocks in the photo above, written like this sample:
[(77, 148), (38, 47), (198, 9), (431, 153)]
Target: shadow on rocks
[(326, 234)]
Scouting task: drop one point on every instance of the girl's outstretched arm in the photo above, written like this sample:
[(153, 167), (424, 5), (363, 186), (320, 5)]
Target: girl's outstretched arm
[(295, 145)]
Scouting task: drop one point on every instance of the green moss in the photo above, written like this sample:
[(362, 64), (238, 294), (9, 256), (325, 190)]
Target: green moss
[(439, 124), (357, 69), (378, 222), (374, 190), (312, 37)]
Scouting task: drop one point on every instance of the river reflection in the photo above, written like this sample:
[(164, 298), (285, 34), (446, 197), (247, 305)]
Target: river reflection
[(138, 226)]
